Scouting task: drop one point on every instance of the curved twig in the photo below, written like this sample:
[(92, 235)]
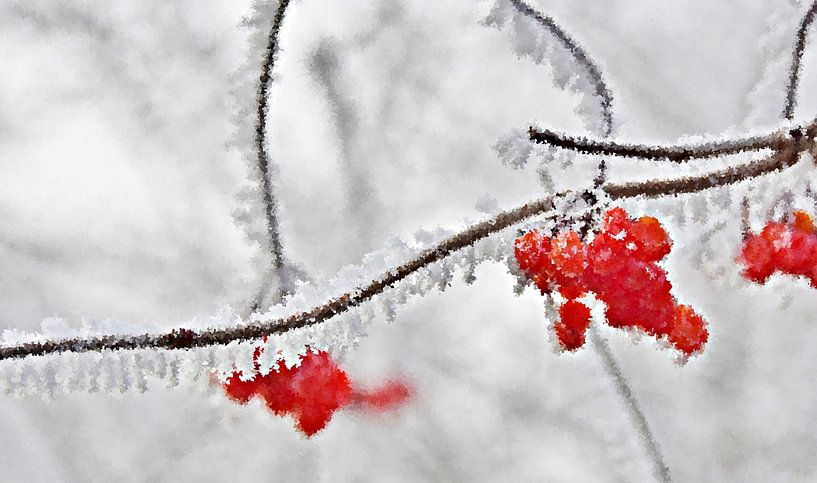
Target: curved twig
[(593, 72), (581, 56), (263, 158), (797, 60), (677, 154), (611, 366), (186, 338)]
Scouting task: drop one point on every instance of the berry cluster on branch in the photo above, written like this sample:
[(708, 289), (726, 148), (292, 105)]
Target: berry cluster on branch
[(619, 266)]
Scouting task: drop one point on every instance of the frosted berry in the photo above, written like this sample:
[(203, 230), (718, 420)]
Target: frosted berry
[(620, 267), (311, 392), (789, 248)]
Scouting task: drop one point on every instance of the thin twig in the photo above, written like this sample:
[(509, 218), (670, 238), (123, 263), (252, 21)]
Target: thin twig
[(580, 55), (677, 154), (797, 60), (263, 158), (611, 366), (600, 87), (780, 160), (186, 338)]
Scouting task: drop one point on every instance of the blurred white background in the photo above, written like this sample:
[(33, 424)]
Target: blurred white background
[(118, 180)]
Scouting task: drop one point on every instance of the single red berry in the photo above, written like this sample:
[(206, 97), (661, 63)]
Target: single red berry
[(689, 332), (567, 254), (391, 395), (574, 318), (532, 252), (650, 239), (757, 256)]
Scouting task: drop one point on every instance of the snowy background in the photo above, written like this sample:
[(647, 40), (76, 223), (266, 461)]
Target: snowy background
[(122, 172)]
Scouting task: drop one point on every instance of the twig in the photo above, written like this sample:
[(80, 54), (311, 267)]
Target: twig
[(263, 159), (592, 69), (186, 338), (611, 366), (780, 160), (797, 60), (580, 55), (677, 154)]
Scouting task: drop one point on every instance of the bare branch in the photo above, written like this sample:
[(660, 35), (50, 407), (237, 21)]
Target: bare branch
[(581, 56), (186, 338), (263, 159), (797, 60), (660, 469), (593, 72), (780, 160), (676, 154)]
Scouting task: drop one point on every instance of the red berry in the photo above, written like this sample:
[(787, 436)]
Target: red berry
[(619, 266), (689, 332), (532, 251), (651, 240), (567, 253), (309, 392), (574, 318)]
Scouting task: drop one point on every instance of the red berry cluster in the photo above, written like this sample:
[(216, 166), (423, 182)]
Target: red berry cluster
[(311, 391), (786, 247), (620, 267)]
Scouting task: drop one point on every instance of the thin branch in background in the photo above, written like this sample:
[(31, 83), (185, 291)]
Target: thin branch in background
[(660, 469), (187, 338), (263, 159), (600, 87), (676, 154), (797, 60)]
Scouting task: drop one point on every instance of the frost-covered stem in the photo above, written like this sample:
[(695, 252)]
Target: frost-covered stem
[(614, 371), (580, 55), (263, 157), (676, 154), (783, 158), (186, 338), (797, 60), (744, 217), (587, 63)]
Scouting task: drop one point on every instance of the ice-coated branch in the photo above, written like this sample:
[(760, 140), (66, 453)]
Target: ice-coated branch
[(677, 153), (660, 469), (580, 55), (797, 60), (186, 338), (263, 157)]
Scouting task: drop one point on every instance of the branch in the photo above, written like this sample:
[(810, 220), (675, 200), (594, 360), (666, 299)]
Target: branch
[(611, 366), (186, 338), (676, 154), (797, 60), (590, 66), (263, 159), (580, 55), (782, 159)]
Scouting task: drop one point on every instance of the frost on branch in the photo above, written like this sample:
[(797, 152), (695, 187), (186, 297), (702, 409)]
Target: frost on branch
[(619, 267), (137, 369), (540, 39)]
